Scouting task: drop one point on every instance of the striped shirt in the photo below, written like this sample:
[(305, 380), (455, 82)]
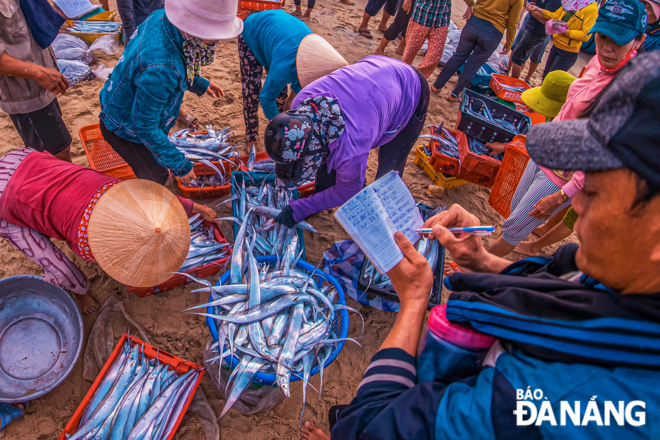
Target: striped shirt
[(432, 13)]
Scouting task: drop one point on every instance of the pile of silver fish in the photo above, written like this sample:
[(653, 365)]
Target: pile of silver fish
[(272, 319), (517, 89), (264, 165), (447, 143), (211, 146), (428, 248), (204, 248), (485, 114), (257, 208), (137, 399), (94, 26)]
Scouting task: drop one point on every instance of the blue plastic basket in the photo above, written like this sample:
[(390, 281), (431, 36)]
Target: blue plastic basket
[(339, 325), (252, 179), (480, 80)]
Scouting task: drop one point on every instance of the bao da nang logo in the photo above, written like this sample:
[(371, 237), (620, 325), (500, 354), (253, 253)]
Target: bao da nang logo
[(532, 408)]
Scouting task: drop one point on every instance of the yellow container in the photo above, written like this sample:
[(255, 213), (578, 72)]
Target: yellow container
[(438, 178), (90, 37), (103, 16)]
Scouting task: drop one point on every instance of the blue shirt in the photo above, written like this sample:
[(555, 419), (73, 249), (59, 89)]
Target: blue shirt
[(274, 36), (141, 100)]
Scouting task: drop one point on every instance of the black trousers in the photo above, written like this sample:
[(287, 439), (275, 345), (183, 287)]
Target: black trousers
[(400, 23), (44, 129), (251, 74), (394, 154), (138, 156)]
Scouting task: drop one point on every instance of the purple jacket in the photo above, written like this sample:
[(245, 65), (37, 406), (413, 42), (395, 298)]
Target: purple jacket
[(378, 96)]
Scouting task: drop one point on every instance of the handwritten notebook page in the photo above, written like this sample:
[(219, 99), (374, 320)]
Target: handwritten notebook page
[(373, 216), (75, 8)]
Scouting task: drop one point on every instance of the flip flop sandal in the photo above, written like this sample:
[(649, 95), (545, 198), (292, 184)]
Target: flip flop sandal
[(453, 98), (455, 267), (188, 121), (365, 33), (347, 2)]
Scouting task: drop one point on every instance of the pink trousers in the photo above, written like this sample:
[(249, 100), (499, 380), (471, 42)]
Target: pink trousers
[(58, 269), (416, 35)]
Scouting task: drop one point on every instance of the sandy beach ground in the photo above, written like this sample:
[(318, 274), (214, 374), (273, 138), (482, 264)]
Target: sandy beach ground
[(185, 335)]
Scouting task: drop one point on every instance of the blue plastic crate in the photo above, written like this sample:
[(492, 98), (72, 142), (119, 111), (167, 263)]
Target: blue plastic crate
[(480, 79), (255, 178), (339, 325)]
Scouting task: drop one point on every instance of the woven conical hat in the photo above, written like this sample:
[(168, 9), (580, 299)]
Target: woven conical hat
[(139, 233), (316, 58)]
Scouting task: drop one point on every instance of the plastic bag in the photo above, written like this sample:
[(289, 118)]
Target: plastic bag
[(101, 340), (203, 419), (107, 43), (254, 399), (66, 41), (68, 47), (553, 27), (75, 71), (102, 72)]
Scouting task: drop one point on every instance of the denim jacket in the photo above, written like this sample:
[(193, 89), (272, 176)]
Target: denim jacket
[(141, 100)]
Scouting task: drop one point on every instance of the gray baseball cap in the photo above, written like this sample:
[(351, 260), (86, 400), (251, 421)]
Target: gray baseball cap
[(622, 132)]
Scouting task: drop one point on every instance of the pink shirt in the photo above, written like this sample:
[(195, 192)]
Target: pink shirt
[(580, 94)]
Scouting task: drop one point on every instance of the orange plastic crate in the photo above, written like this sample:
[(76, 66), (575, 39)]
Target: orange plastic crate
[(177, 364), (101, 156), (497, 83), (511, 171), (242, 13), (441, 162), (476, 168), (260, 5)]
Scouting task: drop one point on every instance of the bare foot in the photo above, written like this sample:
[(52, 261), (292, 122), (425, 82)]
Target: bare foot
[(529, 248), (435, 90), (86, 303), (380, 52), (401, 49), (382, 30), (347, 2), (311, 432)]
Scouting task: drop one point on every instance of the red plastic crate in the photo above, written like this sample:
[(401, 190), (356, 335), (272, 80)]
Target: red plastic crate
[(497, 83), (511, 171), (260, 5), (205, 271), (177, 364), (101, 156), (303, 190), (476, 168), (441, 162), (242, 13)]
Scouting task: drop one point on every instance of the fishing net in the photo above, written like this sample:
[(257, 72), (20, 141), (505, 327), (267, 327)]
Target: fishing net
[(102, 340), (255, 398)]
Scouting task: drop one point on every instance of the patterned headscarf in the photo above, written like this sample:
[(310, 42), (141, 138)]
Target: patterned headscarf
[(575, 5), (197, 54), (328, 119)]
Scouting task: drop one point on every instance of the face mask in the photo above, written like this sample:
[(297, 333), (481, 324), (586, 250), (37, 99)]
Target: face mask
[(197, 54), (621, 63)]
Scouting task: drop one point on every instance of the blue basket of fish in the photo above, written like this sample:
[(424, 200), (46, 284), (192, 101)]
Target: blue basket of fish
[(489, 121), (258, 191), (338, 328)]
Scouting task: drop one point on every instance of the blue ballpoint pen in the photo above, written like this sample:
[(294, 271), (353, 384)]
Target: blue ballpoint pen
[(473, 230)]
